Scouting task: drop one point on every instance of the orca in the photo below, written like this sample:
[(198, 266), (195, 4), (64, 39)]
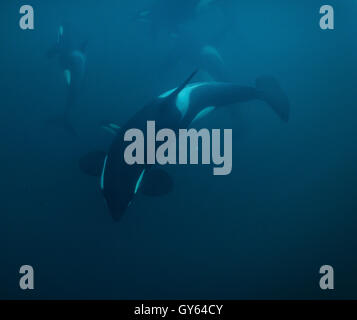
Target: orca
[(202, 4), (191, 51), (175, 109), (168, 19), (167, 16), (72, 62)]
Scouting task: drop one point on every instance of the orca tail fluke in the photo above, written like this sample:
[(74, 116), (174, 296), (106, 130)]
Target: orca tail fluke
[(63, 122), (274, 96)]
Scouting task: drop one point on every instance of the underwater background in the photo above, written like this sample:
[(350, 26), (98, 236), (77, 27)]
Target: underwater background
[(262, 232)]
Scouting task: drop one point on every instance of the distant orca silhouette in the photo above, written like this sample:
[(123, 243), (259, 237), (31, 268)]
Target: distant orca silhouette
[(189, 50), (72, 62), (175, 109), (167, 16)]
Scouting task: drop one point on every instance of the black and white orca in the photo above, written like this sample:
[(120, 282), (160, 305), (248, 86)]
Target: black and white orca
[(174, 109), (72, 62)]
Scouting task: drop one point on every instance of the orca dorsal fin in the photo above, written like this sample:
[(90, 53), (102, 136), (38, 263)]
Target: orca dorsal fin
[(177, 91)]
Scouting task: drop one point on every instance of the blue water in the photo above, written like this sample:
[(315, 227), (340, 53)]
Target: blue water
[(287, 208)]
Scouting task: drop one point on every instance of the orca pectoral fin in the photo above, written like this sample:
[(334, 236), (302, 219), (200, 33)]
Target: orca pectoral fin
[(110, 130), (114, 126), (92, 163), (111, 127), (156, 182)]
